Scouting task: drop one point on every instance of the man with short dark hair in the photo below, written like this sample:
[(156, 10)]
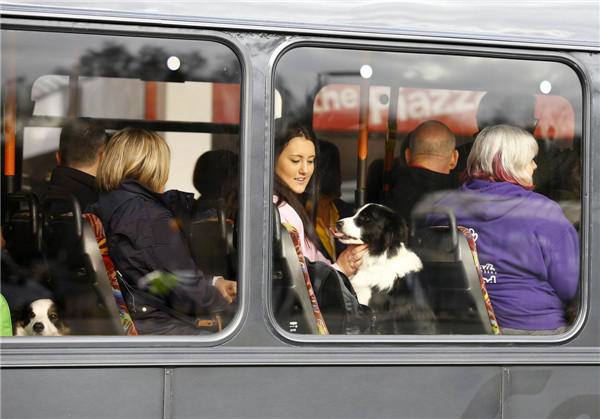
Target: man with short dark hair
[(430, 157), (82, 144)]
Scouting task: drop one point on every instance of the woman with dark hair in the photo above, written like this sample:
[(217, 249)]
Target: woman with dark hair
[(296, 151), (215, 178), (528, 250)]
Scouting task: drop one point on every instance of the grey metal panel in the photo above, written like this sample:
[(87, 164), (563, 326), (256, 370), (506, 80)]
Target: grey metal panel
[(447, 389), (568, 22), (554, 392), (82, 393), (348, 392)]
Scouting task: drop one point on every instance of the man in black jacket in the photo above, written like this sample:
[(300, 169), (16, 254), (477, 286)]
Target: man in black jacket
[(82, 144), (430, 157)]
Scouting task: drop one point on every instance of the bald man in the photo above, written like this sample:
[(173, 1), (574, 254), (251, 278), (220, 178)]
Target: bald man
[(430, 157), (432, 146)]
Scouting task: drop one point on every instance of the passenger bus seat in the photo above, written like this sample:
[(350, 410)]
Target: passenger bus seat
[(77, 274), (451, 276), (124, 316), (211, 242), (294, 303), (21, 227)]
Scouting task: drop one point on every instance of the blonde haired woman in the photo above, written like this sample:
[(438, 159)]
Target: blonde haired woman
[(135, 154), (159, 277), (528, 251)]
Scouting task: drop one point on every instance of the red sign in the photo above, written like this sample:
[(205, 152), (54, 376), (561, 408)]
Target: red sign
[(336, 108)]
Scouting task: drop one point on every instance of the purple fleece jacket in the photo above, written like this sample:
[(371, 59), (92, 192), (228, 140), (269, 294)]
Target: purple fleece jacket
[(528, 251)]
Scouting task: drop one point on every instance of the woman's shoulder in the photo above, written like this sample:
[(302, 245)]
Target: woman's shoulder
[(288, 214), (115, 201), (548, 218), (544, 204), (133, 206)]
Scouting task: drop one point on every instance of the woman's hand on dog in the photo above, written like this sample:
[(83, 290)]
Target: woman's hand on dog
[(351, 258)]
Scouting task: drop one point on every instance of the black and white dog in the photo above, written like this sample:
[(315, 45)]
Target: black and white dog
[(386, 279), (40, 318)]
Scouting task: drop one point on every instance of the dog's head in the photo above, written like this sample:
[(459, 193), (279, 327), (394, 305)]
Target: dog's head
[(383, 229), (40, 318)]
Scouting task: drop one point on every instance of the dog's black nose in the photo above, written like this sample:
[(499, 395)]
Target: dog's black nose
[(339, 224), (38, 327)]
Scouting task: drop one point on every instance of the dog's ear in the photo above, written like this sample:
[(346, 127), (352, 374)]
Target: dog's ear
[(390, 235), (18, 314), (63, 329), (402, 227), (396, 231), (16, 326), (17, 317)]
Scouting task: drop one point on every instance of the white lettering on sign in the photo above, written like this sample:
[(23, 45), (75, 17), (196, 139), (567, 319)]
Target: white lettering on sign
[(349, 98), (378, 111), (340, 103)]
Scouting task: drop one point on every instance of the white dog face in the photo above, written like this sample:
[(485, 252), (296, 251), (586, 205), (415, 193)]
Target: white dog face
[(387, 258), (349, 230), (376, 225), (40, 318)]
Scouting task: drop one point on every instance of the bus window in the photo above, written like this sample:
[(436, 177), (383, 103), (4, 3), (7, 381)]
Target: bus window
[(370, 116), (188, 92)]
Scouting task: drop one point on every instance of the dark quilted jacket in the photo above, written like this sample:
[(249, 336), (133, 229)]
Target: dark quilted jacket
[(143, 236)]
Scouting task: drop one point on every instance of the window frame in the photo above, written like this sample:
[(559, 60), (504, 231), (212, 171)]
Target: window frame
[(489, 50), (168, 344)]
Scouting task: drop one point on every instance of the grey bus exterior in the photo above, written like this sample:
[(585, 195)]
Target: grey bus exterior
[(243, 66)]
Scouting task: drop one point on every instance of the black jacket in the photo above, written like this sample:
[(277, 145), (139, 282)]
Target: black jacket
[(68, 180), (143, 236), (410, 183)]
